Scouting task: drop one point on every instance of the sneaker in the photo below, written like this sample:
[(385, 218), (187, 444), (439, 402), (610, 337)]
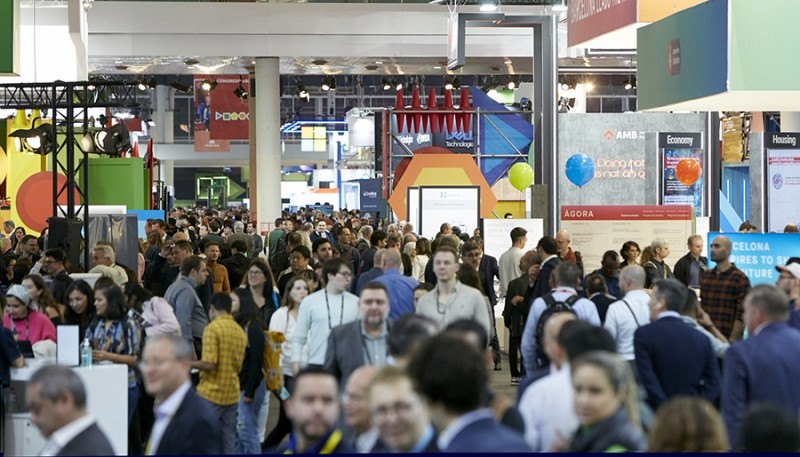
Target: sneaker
[(515, 381), (497, 366)]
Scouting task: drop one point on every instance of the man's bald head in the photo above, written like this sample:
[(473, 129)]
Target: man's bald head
[(631, 278), (550, 338), (392, 259), (180, 236), (356, 408)]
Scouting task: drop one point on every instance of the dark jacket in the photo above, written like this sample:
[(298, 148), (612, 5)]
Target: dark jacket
[(616, 431), (252, 375), (683, 267), (486, 435), (514, 316), (543, 280), (91, 441), (656, 271), (672, 359), (194, 429), (345, 351), (489, 270), (237, 268)]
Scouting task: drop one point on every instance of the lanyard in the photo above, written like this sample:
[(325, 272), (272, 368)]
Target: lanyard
[(27, 327), (341, 311)]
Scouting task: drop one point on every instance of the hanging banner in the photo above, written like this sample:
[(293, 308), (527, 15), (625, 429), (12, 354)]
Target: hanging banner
[(370, 192), (757, 254), (682, 169), (224, 115), (783, 180)]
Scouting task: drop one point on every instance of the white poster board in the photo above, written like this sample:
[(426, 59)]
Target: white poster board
[(458, 206), (783, 188), (497, 234), (412, 203), (597, 229)]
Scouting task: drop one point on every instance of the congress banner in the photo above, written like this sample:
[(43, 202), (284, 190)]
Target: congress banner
[(219, 111), (757, 254)]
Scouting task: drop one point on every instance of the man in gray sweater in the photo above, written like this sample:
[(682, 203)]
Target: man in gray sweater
[(191, 315)]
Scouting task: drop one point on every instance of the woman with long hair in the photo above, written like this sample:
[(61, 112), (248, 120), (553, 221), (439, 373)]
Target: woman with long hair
[(80, 308), (312, 280), (688, 424), (630, 254), (424, 254), (261, 283), (117, 338), (19, 233), (253, 390), (469, 276), (6, 272), (42, 299), (606, 405), (284, 320)]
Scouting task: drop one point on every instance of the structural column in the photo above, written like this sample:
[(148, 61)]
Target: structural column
[(790, 121), (267, 123)]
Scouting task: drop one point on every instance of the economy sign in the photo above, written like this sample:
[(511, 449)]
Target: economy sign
[(757, 254)]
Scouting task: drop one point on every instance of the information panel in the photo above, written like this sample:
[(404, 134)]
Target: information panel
[(458, 206), (757, 254), (497, 234), (782, 180), (682, 169), (596, 229)]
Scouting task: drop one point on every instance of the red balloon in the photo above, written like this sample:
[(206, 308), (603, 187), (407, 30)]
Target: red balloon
[(688, 171)]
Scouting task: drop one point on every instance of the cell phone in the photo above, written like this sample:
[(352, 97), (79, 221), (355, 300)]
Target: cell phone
[(284, 393)]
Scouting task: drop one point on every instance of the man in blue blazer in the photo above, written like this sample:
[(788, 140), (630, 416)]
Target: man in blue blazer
[(673, 358), (548, 251), (451, 375), (764, 367), (185, 423)]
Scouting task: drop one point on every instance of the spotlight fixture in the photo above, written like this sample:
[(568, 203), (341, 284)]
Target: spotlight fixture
[(208, 85), (448, 84), (145, 84), (456, 83), (489, 6), (630, 83), (240, 91), (397, 85), (302, 92), (588, 86), (36, 140), (114, 141), (181, 87), (329, 83), (386, 84), (513, 83)]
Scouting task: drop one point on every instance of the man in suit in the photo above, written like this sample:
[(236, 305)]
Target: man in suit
[(451, 375), (690, 267), (672, 358), (237, 263), (56, 399), (548, 251), (185, 423), (409, 428), (321, 232), (516, 310), (762, 368), (364, 341), (472, 254)]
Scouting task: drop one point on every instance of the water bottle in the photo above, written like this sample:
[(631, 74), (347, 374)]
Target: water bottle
[(86, 353)]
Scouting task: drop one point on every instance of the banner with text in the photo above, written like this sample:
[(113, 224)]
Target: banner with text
[(757, 254), (597, 229), (220, 111), (497, 234), (458, 206), (682, 167), (783, 180)]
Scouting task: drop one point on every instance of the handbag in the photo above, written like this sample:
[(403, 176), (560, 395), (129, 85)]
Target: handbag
[(272, 359)]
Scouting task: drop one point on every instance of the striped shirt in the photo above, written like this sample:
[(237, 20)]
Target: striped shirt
[(722, 296)]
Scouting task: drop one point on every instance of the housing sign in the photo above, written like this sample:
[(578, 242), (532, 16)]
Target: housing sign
[(782, 180), (682, 169)]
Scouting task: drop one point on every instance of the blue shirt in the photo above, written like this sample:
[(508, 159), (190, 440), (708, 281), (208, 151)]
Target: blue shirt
[(401, 292), (366, 277)]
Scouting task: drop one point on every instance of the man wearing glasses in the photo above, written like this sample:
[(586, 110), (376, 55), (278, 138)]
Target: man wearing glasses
[(323, 310)]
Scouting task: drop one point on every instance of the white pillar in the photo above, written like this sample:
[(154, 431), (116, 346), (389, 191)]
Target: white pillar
[(268, 139), (160, 115), (167, 168), (790, 121), (79, 32)]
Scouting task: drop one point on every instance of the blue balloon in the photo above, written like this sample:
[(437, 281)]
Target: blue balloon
[(580, 169)]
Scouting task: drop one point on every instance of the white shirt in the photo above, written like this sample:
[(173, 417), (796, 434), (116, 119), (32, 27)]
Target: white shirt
[(163, 413), (547, 409), (283, 321), (65, 434), (318, 316), (462, 422), (621, 324), (509, 267), (366, 441)]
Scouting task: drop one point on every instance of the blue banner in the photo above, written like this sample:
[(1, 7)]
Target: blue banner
[(757, 254), (371, 194)]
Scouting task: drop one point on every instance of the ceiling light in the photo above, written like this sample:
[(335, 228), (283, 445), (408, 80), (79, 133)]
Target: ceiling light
[(437, 67), (588, 86), (191, 62), (397, 85), (448, 85), (209, 85), (436, 2), (488, 6), (240, 92), (145, 84), (379, 62), (456, 83), (301, 91), (114, 141), (37, 139), (507, 61), (386, 84), (329, 83), (181, 87), (630, 83)]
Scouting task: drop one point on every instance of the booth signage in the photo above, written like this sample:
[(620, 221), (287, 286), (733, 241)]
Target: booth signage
[(782, 180), (782, 140), (591, 18), (757, 254), (682, 165)]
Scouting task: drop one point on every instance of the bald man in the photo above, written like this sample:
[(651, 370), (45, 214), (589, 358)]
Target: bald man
[(722, 291), (356, 409), (400, 287)]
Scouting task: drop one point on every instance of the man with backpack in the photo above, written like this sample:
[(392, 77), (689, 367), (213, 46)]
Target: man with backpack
[(562, 299)]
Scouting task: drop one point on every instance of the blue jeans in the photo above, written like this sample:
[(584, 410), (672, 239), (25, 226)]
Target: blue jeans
[(247, 441)]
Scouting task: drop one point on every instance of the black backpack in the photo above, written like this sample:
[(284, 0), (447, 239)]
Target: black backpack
[(551, 307)]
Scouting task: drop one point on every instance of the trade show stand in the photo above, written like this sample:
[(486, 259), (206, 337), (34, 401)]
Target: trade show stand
[(107, 394)]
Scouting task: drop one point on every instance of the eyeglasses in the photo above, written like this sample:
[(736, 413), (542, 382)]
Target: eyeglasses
[(472, 255), (255, 273), (399, 408), (346, 274)]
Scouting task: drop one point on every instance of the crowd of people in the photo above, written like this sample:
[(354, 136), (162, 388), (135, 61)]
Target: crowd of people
[(374, 339)]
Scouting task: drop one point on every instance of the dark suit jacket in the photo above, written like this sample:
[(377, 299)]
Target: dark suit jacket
[(543, 280), (345, 351), (91, 441), (489, 270), (514, 316), (237, 269), (682, 268), (486, 435), (194, 429), (761, 368), (673, 359)]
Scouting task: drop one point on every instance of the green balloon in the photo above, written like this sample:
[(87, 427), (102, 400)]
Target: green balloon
[(520, 176)]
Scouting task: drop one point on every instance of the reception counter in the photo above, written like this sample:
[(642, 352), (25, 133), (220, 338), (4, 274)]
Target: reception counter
[(107, 401)]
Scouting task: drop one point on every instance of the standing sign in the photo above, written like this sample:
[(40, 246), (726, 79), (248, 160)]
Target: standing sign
[(782, 180), (682, 169), (757, 254), (458, 206), (497, 234)]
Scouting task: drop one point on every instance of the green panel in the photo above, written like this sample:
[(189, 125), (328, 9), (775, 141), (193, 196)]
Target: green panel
[(9, 37), (698, 36), (114, 181), (762, 33)]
